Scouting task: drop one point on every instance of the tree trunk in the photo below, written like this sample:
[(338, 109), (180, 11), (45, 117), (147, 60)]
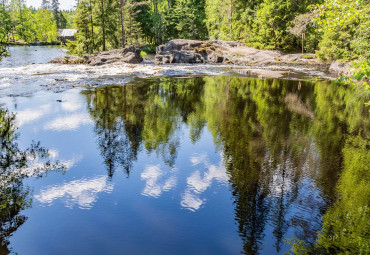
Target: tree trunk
[(122, 24), (102, 22), (92, 28), (231, 18), (130, 26)]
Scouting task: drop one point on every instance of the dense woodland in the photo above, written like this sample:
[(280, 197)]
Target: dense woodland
[(20, 24), (335, 29)]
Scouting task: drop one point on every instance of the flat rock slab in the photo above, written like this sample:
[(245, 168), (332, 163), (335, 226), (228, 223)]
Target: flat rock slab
[(194, 51), (129, 55)]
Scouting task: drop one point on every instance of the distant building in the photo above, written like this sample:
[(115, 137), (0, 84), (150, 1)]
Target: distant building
[(66, 34)]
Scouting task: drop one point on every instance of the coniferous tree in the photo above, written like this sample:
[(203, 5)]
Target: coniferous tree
[(121, 6), (58, 15), (45, 4)]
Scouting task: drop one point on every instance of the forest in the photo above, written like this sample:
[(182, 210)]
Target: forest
[(334, 29), (21, 25)]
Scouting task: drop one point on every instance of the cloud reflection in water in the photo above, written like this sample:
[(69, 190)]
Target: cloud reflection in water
[(152, 175), (199, 183), (158, 181), (82, 193), (71, 122), (29, 115)]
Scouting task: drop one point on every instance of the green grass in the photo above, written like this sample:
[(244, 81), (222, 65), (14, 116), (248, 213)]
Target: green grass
[(308, 56)]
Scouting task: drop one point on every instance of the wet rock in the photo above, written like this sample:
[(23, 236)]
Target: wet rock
[(214, 58), (193, 51), (339, 68), (68, 60), (177, 56), (129, 55)]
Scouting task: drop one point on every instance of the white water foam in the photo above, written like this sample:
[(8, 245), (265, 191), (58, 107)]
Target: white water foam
[(28, 79)]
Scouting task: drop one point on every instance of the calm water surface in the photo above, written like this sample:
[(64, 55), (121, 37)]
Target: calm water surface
[(22, 55), (211, 165)]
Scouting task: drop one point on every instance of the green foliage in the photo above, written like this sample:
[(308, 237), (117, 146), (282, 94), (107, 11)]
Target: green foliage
[(218, 21), (187, 19), (68, 16), (5, 29), (298, 247), (337, 29), (346, 228), (360, 76), (345, 29), (273, 19), (308, 57), (84, 43), (150, 48), (27, 25), (45, 26)]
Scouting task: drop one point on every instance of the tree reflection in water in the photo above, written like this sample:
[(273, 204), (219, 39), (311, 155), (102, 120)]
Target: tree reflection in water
[(16, 165), (282, 143)]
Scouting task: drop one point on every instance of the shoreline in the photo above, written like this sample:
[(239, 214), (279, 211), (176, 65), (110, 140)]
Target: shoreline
[(180, 51), (59, 77), (18, 44)]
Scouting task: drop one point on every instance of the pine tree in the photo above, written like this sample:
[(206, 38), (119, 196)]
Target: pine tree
[(45, 4), (188, 18), (59, 19), (121, 6)]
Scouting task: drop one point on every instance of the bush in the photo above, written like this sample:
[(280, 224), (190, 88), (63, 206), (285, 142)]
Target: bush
[(149, 48)]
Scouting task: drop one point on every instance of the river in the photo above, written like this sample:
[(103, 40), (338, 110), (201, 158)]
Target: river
[(139, 164)]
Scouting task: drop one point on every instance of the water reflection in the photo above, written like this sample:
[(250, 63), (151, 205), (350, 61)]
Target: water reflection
[(70, 122), (154, 187), (117, 113), (281, 145), (82, 193), (199, 182), (29, 115), (15, 166)]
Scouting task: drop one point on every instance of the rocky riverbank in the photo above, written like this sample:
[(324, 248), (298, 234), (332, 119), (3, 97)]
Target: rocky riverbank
[(214, 52), (192, 51), (129, 55), (229, 52)]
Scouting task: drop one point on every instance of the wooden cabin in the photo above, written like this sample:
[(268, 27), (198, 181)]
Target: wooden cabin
[(66, 34)]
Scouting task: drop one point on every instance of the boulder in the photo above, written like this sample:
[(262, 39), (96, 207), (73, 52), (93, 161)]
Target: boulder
[(129, 55), (68, 60), (177, 56), (194, 51), (218, 51), (180, 51), (214, 58), (132, 55)]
